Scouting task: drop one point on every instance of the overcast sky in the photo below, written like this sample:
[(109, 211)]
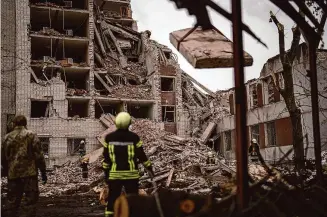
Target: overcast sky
[(161, 17)]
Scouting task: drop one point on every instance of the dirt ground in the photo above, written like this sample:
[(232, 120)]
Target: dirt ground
[(67, 206)]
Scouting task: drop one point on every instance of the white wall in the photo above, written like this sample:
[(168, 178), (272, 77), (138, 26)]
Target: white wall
[(278, 110)]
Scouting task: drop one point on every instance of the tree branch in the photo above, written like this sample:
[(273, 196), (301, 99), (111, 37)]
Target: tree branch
[(295, 42), (322, 24), (280, 28)]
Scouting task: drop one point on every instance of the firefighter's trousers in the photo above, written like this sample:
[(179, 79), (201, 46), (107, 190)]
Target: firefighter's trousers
[(115, 187), (16, 189)]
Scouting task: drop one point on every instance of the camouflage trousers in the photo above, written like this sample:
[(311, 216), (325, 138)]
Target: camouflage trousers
[(17, 205)]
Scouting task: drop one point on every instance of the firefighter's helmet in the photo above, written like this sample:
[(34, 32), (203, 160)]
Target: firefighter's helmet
[(254, 141), (123, 120)]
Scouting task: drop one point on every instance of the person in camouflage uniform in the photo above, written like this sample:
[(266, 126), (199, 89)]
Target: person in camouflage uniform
[(21, 157)]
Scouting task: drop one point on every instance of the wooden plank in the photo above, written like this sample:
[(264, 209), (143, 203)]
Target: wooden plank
[(105, 121), (206, 49), (170, 176), (34, 76), (177, 139), (102, 81), (98, 39), (110, 81), (101, 137), (199, 84), (123, 32), (208, 131)]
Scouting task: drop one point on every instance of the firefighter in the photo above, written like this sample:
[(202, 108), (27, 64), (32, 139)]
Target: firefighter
[(122, 152), (211, 158), (81, 149), (21, 157), (84, 165), (254, 151)]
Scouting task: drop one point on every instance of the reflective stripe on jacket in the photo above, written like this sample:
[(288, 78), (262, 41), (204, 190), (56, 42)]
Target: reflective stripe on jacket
[(122, 152)]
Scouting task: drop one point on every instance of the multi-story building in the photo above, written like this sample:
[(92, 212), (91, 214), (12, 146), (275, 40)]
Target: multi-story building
[(49, 72), (268, 120)]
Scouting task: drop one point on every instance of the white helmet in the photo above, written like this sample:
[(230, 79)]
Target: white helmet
[(210, 154), (254, 141)]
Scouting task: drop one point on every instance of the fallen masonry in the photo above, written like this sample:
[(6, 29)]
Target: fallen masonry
[(179, 165)]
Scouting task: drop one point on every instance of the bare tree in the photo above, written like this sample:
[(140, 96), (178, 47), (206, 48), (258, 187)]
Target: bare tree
[(287, 59)]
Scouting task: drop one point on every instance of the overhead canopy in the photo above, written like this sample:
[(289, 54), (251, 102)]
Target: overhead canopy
[(206, 49)]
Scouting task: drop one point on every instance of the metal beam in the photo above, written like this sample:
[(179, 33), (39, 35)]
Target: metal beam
[(240, 94)]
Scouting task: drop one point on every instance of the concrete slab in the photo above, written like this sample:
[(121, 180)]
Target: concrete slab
[(208, 131), (206, 49), (94, 155)]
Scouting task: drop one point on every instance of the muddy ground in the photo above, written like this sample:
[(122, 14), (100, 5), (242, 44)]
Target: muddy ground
[(66, 206)]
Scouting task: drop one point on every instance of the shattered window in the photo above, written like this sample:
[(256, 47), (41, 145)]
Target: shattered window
[(255, 132), (73, 145), (167, 84), (168, 113), (228, 140), (39, 108), (78, 108), (254, 96), (124, 12), (271, 134), (271, 90)]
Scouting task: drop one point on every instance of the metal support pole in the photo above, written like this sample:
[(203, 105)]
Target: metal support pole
[(240, 94), (315, 108)]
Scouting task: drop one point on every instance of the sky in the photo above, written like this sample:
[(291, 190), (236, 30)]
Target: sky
[(161, 17)]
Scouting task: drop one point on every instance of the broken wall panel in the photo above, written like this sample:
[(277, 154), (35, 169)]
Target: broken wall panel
[(59, 48), (170, 127), (168, 98), (72, 4), (208, 131), (167, 70), (59, 22)]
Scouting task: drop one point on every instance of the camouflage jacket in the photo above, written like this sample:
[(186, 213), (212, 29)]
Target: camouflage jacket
[(21, 154)]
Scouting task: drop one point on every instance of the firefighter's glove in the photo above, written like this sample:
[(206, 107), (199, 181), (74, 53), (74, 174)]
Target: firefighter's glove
[(44, 178), (106, 176)]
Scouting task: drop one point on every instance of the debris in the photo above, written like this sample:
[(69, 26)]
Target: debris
[(176, 139), (207, 133), (206, 49)]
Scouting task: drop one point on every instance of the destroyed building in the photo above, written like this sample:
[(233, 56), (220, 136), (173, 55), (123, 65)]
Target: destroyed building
[(69, 65), (268, 120)]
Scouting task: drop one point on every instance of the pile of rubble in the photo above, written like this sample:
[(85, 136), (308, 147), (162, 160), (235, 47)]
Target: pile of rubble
[(179, 164), (67, 179), (131, 91)]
